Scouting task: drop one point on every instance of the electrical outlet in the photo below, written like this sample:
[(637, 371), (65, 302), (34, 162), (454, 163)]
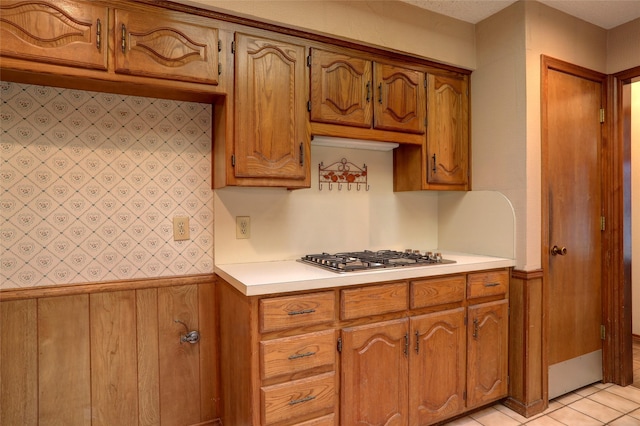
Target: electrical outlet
[(180, 228), (243, 227)]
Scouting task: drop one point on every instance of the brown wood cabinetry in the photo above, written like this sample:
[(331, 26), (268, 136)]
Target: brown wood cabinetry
[(442, 162), (448, 130), (374, 386), (272, 140), (487, 365), (359, 92), (71, 33), (154, 46), (411, 352)]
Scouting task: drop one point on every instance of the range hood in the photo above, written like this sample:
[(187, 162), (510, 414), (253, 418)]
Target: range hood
[(336, 142)]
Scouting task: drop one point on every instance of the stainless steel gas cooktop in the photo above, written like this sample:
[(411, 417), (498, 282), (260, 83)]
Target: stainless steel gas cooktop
[(367, 260)]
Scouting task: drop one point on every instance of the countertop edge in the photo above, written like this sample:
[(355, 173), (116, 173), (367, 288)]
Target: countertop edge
[(281, 277)]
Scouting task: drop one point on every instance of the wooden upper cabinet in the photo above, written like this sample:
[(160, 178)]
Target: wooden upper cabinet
[(56, 32), (272, 137), (155, 46), (447, 130), (361, 93), (341, 89), (400, 99)]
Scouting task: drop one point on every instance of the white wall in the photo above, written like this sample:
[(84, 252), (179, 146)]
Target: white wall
[(635, 205), (288, 224)]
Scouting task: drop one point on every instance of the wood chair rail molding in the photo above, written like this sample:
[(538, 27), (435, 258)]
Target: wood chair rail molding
[(102, 287)]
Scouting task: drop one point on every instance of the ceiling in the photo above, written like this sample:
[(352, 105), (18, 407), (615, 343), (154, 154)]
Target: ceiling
[(603, 13)]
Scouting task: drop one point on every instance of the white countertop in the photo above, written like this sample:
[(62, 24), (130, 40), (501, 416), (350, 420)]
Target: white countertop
[(258, 278)]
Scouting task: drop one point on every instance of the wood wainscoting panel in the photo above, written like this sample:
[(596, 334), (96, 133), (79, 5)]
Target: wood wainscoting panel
[(179, 362), (102, 354), (113, 358), (209, 378), (148, 368), (527, 393), (18, 363), (64, 365)]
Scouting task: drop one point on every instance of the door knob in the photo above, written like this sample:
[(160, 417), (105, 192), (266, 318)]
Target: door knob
[(561, 251)]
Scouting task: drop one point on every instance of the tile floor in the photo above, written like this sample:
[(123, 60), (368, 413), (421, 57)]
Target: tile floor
[(598, 404)]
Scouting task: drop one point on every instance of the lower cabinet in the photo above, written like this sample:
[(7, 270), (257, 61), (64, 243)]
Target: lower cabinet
[(409, 353)]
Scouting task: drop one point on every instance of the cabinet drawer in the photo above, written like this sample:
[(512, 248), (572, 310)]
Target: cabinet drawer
[(280, 313), (437, 291), (487, 284), (298, 353), (374, 300), (287, 401)]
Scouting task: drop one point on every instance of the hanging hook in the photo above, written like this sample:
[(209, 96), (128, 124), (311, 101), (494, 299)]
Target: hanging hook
[(191, 336)]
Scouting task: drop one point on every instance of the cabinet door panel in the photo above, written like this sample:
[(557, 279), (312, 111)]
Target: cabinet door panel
[(272, 136), (487, 335), (447, 130), (341, 90), (56, 32), (375, 374), (399, 99), (437, 367), (155, 47)]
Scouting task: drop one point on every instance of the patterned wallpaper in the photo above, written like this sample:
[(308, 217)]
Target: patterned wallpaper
[(90, 183)]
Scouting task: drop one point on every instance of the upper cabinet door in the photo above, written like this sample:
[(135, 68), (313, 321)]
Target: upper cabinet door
[(448, 130), (55, 32), (147, 45), (272, 138), (399, 99), (341, 89)]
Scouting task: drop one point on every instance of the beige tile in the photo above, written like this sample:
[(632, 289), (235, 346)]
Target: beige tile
[(614, 401), (568, 398), (569, 416), (545, 421), (463, 421), (625, 421), (586, 391), (510, 413), (596, 410), (553, 406), (628, 392), (635, 413), (603, 385), (493, 417)]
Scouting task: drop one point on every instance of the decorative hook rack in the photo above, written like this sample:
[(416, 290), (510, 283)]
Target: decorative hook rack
[(343, 172)]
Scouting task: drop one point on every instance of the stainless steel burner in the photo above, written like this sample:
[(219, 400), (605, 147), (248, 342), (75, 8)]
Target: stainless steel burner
[(367, 260)]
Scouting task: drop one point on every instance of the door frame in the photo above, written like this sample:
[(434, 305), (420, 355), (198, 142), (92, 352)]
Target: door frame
[(548, 64), (618, 363)]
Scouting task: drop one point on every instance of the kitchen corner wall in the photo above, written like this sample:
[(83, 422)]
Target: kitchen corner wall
[(90, 183), (288, 224)]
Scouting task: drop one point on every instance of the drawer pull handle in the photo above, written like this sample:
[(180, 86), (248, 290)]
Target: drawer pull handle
[(299, 401), (304, 311), (491, 284), (304, 355)]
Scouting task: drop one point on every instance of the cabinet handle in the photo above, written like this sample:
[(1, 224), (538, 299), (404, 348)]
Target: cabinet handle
[(124, 38), (434, 164), (491, 284), (98, 34), (303, 311), (304, 355), (417, 342), (380, 93), (301, 154), (406, 344), (475, 328), (368, 91), (301, 400)]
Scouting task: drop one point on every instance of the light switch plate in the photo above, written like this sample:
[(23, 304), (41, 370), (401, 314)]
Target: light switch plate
[(180, 228), (243, 227)]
